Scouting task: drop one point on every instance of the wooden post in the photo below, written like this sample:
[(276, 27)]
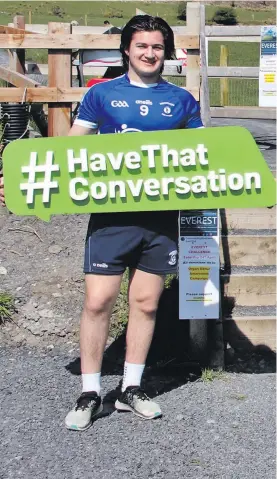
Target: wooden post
[(204, 90), (17, 60), (197, 327), (193, 56), (30, 17), (59, 75), (224, 86), (86, 20)]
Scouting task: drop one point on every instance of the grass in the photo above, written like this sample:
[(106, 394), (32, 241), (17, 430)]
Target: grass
[(6, 307), (209, 375), (94, 13)]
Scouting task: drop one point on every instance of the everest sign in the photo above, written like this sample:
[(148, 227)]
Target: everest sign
[(148, 171)]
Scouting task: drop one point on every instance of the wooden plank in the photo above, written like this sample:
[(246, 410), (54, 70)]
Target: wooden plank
[(214, 72), (14, 30), (232, 31), (247, 39), (247, 333), (249, 112), (224, 85), (19, 55), (79, 29), (59, 65), (16, 79), (254, 218), (204, 90), (84, 41), (50, 95), (234, 72), (250, 290), (193, 54), (249, 250), (214, 32)]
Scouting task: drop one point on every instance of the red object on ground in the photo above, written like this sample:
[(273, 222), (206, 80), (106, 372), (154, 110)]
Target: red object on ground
[(94, 81)]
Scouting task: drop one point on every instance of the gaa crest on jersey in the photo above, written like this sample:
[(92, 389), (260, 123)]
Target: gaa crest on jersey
[(167, 108)]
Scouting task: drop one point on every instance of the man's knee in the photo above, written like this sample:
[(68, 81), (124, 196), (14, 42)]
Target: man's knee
[(145, 302), (97, 305)]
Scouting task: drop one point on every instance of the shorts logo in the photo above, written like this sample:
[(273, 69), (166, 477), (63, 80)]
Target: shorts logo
[(100, 265), (173, 258), (119, 104)]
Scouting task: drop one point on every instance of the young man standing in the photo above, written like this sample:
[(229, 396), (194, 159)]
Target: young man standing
[(146, 242)]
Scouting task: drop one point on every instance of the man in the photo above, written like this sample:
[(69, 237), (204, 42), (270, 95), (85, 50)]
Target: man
[(146, 242)]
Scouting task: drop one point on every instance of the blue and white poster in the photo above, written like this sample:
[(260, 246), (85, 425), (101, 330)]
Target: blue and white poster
[(199, 264), (267, 74)]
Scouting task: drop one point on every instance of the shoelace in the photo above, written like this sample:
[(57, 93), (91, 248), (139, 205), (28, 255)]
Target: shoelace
[(84, 402), (139, 393)]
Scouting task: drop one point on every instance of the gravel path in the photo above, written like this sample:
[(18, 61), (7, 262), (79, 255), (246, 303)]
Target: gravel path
[(222, 429)]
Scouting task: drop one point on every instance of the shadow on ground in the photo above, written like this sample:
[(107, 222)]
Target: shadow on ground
[(169, 364)]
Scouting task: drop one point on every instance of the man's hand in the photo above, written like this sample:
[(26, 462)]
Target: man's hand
[(2, 195)]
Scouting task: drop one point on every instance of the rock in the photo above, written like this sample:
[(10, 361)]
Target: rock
[(55, 249), (57, 295), (180, 417), (46, 313), (3, 270)]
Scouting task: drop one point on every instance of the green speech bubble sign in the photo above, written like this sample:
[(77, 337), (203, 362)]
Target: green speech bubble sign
[(164, 170)]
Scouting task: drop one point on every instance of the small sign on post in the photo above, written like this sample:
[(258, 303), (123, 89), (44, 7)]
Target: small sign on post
[(267, 75), (199, 264)]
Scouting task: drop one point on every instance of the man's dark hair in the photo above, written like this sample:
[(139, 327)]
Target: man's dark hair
[(146, 23)]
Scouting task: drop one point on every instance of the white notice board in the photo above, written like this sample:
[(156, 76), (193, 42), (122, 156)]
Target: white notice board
[(199, 286)]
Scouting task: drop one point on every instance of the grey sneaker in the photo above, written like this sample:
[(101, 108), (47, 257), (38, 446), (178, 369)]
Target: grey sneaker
[(134, 399), (80, 418)]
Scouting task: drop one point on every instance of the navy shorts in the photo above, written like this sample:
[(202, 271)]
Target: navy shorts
[(109, 250)]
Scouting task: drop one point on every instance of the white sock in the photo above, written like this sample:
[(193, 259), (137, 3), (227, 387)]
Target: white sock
[(132, 374), (91, 382)]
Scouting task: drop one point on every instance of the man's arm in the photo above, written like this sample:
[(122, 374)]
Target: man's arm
[(78, 130)]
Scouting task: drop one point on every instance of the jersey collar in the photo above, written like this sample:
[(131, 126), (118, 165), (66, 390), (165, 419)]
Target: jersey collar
[(140, 85)]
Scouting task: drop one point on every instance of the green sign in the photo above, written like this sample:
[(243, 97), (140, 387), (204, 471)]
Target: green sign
[(165, 170)]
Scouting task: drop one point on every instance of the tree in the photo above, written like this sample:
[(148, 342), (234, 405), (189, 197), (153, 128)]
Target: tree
[(225, 16)]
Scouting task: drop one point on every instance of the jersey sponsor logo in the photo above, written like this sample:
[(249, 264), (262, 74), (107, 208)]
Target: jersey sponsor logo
[(167, 108), (100, 265), (125, 129), (144, 102), (119, 104), (172, 258)]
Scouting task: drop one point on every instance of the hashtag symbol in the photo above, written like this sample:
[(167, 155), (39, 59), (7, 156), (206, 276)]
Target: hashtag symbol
[(46, 185)]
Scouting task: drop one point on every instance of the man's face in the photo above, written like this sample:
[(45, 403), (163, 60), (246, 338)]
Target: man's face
[(146, 54)]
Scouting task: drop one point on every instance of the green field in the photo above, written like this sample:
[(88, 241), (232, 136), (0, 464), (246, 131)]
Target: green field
[(94, 13)]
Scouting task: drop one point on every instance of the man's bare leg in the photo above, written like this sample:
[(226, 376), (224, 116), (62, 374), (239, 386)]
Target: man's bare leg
[(100, 295), (145, 290), (144, 293)]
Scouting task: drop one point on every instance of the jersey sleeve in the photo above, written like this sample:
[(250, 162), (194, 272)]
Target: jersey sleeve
[(89, 106), (192, 113)]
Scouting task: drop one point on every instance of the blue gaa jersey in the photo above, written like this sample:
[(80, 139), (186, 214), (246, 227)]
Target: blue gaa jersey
[(119, 106)]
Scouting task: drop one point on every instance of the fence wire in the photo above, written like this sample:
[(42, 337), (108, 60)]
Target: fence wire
[(241, 91)]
